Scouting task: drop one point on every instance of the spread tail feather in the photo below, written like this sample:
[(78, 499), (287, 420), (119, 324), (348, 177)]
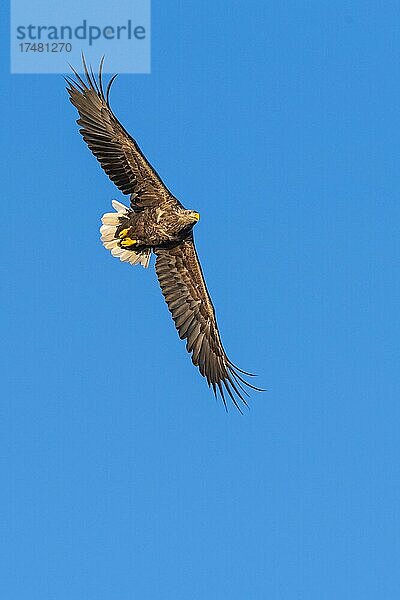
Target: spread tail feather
[(110, 224)]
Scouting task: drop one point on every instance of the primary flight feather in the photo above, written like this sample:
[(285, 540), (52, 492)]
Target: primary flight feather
[(155, 222)]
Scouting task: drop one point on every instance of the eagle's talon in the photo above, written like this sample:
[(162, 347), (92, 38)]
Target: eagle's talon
[(124, 233), (127, 242)]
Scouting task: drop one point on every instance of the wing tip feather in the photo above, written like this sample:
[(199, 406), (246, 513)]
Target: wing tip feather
[(90, 83)]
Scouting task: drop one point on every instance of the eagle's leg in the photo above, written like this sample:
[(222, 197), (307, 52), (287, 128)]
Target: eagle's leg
[(127, 239)]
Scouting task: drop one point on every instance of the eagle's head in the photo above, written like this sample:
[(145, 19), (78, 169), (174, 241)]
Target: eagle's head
[(191, 216)]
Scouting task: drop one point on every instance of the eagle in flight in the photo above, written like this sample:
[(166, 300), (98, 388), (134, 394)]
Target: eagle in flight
[(154, 222)]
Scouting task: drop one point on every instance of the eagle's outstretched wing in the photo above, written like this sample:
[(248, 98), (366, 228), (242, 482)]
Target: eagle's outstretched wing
[(182, 284), (115, 149)]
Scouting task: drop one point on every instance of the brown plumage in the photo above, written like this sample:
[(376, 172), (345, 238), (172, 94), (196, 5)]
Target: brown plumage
[(155, 222)]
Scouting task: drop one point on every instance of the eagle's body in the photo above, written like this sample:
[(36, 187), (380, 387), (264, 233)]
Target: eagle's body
[(156, 222), (165, 224)]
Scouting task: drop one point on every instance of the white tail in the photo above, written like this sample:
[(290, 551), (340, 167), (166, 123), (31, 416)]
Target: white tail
[(110, 224)]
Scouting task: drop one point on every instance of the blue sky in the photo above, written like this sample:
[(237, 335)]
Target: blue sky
[(121, 476)]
